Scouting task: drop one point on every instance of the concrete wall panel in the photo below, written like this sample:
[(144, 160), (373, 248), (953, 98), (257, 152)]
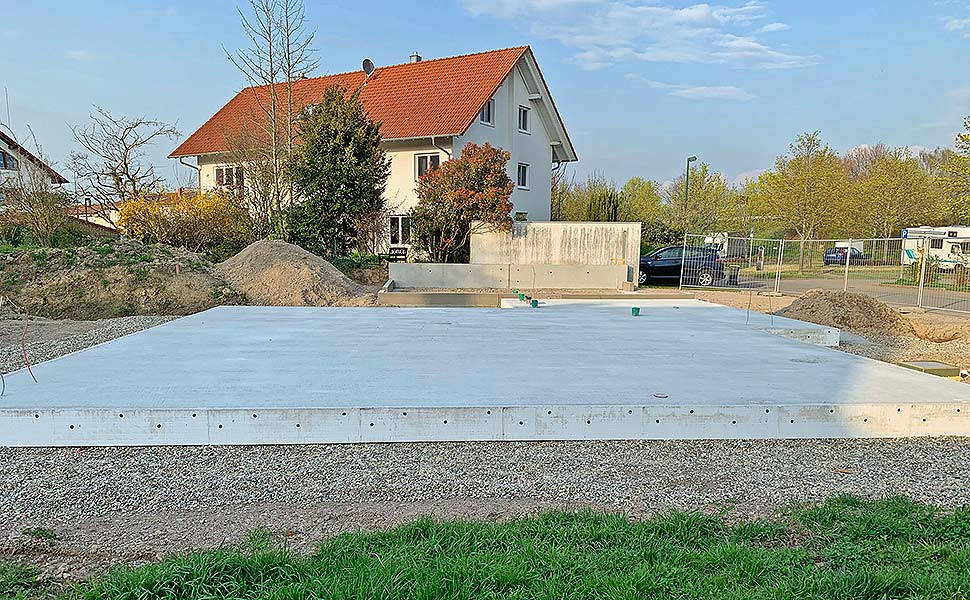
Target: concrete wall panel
[(438, 275), (596, 277), (561, 243)]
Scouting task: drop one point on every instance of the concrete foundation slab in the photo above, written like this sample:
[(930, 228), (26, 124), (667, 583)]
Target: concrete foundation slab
[(566, 370)]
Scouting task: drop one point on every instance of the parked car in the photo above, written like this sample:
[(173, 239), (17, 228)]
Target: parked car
[(836, 256), (701, 266)]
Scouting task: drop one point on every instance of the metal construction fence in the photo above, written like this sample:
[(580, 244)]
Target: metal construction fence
[(925, 272)]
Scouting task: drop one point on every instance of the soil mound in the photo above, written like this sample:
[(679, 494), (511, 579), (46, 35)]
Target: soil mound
[(111, 279), (845, 310), (275, 273)]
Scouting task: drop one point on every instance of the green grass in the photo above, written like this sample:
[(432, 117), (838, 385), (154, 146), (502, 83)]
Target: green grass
[(844, 548), (16, 581)]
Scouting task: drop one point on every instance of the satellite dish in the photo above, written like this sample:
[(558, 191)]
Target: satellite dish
[(368, 67)]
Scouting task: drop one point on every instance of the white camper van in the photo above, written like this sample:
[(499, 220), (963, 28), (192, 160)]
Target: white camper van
[(948, 245)]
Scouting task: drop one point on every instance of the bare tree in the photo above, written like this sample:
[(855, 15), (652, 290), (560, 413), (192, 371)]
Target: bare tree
[(33, 199), (279, 53), (113, 167)]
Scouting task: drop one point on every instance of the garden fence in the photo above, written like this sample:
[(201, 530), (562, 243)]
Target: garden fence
[(925, 272)]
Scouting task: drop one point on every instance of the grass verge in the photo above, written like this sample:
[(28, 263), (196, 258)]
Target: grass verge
[(844, 548)]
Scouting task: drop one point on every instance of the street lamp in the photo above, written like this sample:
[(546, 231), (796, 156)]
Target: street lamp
[(690, 159)]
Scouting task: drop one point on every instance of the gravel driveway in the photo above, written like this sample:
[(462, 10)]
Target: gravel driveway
[(112, 505)]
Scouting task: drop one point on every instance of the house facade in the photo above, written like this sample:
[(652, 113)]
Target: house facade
[(428, 110), (18, 166)]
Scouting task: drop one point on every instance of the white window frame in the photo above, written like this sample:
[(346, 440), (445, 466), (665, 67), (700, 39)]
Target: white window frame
[(399, 220), (418, 157), (518, 167), (237, 172), (490, 107), (528, 119)]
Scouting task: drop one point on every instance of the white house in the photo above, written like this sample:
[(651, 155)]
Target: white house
[(18, 165), (428, 110)]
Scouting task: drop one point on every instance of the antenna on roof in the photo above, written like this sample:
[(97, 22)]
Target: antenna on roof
[(368, 66)]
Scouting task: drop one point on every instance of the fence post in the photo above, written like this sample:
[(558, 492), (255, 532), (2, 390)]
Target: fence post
[(922, 273), (848, 258), (781, 255), (683, 256)]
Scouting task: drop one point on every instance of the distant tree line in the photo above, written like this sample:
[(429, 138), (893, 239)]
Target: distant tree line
[(812, 192)]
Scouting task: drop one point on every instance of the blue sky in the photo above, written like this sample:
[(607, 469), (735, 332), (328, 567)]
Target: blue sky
[(640, 84)]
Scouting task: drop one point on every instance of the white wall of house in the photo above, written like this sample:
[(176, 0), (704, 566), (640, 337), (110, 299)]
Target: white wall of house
[(12, 176), (530, 148)]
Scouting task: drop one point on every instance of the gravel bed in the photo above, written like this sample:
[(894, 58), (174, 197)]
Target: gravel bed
[(133, 504), (72, 340)]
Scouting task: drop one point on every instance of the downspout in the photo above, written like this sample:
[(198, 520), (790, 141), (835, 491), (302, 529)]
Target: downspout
[(198, 171), (448, 154)]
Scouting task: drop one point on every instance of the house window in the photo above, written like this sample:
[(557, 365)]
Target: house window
[(524, 119), (230, 176), (487, 116), (522, 176), (936, 243), (400, 230), (426, 162), (8, 162)]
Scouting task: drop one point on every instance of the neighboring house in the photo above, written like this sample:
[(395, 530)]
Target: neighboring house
[(101, 215), (428, 110), (18, 164)]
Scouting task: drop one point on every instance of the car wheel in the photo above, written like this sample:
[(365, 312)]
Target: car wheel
[(643, 278), (705, 278)]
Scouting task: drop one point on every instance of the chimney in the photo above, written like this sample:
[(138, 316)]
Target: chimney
[(415, 58)]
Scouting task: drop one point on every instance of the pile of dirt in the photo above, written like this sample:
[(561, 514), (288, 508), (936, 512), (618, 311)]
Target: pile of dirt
[(111, 279), (275, 273), (845, 310)]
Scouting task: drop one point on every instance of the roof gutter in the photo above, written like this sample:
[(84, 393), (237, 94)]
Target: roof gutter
[(198, 171), (440, 148)]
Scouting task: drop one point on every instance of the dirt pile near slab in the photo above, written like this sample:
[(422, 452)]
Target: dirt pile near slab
[(111, 279), (275, 273), (845, 310)]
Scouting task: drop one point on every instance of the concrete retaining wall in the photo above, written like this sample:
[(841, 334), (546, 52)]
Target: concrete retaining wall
[(504, 276), (593, 277), (440, 275), (561, 243)]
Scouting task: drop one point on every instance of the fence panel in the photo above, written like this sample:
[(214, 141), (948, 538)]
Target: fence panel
[(945, 274), (927, 272), (731, 262)]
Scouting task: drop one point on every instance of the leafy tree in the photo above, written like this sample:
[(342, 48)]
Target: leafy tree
[(954, 176), (896, 192), (338, 173), (604, 206), (474, 188), (708, 206), (641, 201)]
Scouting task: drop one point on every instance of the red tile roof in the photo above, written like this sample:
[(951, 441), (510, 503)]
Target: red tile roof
[(438, 97)]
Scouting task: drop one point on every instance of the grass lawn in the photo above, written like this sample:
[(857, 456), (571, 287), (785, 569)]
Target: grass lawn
[(844, 548)]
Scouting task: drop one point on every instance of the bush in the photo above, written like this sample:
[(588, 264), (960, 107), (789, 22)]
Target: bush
[(472, 188), (211, 222)]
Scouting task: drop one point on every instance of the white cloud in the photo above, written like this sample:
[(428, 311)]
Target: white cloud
[(81, 55), (773, 27), (957, 24), (605, 32), (696, 92), (744, 176)]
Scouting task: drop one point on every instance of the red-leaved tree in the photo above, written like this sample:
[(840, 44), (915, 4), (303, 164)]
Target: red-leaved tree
[(459, 196)]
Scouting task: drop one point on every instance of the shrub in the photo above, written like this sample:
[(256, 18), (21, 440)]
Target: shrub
[(209, 222), (472, 188)]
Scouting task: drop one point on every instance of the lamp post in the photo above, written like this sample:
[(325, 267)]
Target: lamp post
[(690, 159)]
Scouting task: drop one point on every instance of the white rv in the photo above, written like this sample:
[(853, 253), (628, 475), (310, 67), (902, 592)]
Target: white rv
[(948, 245)]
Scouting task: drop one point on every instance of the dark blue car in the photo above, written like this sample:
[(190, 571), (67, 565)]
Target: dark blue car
[(836, 256), (701, 266)]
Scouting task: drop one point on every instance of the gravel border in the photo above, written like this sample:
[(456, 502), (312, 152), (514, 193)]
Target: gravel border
[(111, 505), (11, 357)]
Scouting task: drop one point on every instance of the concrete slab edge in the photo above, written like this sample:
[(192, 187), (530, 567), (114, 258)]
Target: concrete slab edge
[(257, 426)]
